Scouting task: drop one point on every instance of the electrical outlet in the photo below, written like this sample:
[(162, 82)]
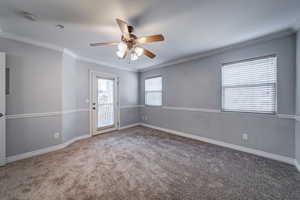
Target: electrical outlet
[(146, 117), (245, 137), (56, 135)]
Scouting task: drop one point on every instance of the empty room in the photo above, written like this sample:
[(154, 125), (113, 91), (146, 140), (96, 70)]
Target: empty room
[(149, 100)]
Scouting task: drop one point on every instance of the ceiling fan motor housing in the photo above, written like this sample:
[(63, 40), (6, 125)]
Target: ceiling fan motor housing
[(130, 29)]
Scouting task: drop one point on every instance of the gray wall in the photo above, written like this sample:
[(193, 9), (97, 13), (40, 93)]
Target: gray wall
[(297, 123), (43, 81), (197, 84), (35, 87), (71, 121), (35, 78)]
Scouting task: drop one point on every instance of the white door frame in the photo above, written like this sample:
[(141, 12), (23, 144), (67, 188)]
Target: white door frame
[(93, 75), (2, 110)]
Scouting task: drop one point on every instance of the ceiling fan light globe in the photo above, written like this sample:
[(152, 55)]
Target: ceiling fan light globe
[(138, 51), (120, 54), (134, 56), (122, 46)]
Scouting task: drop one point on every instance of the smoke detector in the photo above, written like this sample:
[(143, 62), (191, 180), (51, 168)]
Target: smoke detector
[(59, 27), (28, 15)]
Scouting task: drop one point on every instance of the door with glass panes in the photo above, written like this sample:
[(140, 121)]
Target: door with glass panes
[(104, 105)]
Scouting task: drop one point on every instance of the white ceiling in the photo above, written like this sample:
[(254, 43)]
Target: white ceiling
[(190, 27)]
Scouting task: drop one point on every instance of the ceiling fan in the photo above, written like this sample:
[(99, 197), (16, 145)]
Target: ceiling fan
[(130, 43)]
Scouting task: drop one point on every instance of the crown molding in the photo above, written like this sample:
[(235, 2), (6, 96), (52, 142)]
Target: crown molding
[(70, 53), (63, 50), (26, 40), (90, 60), (237, 45)]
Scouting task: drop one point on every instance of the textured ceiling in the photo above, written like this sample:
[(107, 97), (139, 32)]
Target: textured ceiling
[(190, 27)]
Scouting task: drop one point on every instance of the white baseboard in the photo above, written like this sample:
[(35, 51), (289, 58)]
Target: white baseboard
[(129, 126), (2, 162), (272, 156), (297, 165), (44, 150)]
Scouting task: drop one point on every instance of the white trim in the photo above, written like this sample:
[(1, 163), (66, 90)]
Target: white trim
[(90, 103), (70, 53), (191, 109), (26, 40), (46, 114), (129, 126), (297, 165), (297, 118), (15, 37), (75, 110), (119, 103), (33, 115), (131, 106), (44, 150), (286, 116), (281, 116), (237, 45), (2, 110), (2, 162), (106, 130), (272, 156)]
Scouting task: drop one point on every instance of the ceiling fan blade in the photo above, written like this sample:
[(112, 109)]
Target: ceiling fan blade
[(124, 28), (152, 38), (148, 53), (104, 44)]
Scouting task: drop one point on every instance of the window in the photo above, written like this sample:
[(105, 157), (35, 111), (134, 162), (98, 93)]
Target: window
[(153, 91), (250, 86)]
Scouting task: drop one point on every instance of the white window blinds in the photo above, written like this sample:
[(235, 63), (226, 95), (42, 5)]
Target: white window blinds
[(153, 91), (250, 86)]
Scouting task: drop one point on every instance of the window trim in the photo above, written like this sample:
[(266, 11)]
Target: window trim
[(145, 92), (251, 85)]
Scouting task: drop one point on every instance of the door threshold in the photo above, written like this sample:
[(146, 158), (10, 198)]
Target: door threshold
[(104, 131)]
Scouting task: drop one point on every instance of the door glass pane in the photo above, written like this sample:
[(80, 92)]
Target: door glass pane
[(105, 103)]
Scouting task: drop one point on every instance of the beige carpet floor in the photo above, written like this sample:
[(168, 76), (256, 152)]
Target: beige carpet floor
[(142, 163)]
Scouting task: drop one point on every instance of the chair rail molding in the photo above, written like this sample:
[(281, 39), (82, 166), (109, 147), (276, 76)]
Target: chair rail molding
[(208, 110), (45, 114)]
